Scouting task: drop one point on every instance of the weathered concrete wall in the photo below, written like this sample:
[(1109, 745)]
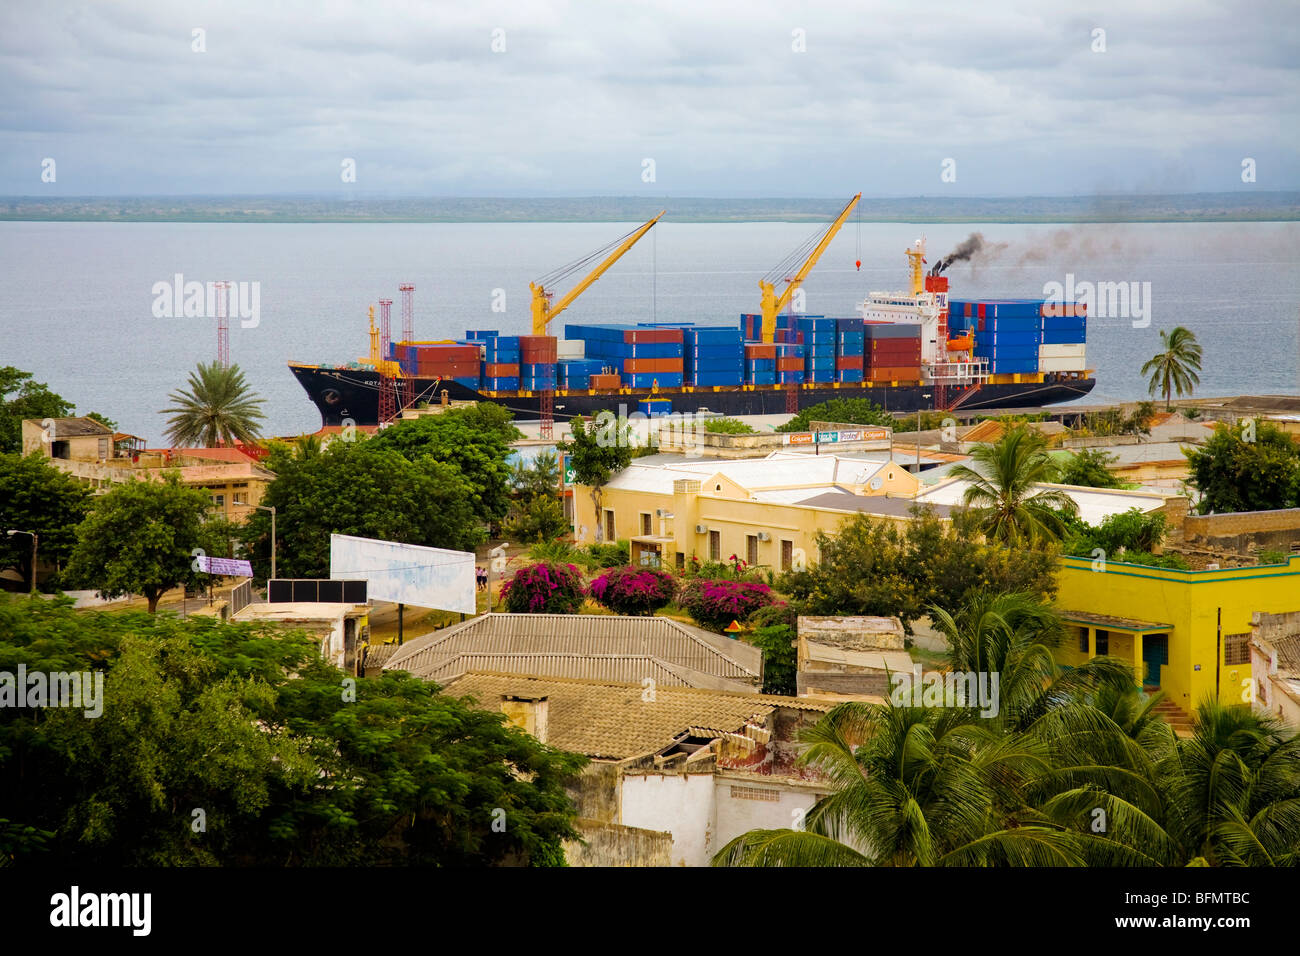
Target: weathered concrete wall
[(1244, 531), (680, 802), (853, 633), (868, 683), (596, 793), (611, 844)]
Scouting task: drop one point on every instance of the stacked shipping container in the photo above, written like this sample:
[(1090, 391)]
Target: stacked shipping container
[(893, 352)]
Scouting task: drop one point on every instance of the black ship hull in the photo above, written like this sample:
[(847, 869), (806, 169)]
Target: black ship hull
[(351, 396)]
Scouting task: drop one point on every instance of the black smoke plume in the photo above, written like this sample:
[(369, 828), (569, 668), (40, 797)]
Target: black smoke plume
[(968, 249)]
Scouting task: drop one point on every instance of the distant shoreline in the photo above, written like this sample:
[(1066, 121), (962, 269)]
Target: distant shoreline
[(1184, 207)]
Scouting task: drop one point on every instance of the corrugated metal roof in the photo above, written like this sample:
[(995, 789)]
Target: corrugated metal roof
[(613, 721), (583, 646)]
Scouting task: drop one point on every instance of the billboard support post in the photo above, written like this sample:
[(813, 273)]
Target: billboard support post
[(401, 610)]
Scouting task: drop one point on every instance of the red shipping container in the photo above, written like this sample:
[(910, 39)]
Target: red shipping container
[(760, 350), (605, 380), (500, 370), (789, 364), (980, 310), (652, 335), (446, 353), (895, 374), (846, 362)]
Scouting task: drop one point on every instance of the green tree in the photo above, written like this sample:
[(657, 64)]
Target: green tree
[(218, 408), (728, 426), (1090, 468), (1245, 468), (37, 497), (475, 440), (138, 539), (363, 489), (597, 451), (1174, 368), (848, 411), (21, 398), (536, 510), (249, 724), (1003, 490), (873, 566)]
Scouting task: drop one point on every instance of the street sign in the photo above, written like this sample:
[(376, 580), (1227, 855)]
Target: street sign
[(570, 475), (827, 438)]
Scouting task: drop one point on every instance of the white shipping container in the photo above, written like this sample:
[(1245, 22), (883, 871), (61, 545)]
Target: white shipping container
[(1061, 351), (571, 348), (1066, 364)]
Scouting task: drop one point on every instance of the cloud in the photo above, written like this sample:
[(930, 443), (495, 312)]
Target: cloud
[(583, 92)]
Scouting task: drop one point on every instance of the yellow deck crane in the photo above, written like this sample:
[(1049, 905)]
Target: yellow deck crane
[(544, 311), (772, 305)]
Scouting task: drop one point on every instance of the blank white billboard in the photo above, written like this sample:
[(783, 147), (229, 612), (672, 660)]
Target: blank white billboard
[(407, 573)]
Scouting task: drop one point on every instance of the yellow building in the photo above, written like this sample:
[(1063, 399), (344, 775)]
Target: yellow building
[(1186, 632), (766, 511)]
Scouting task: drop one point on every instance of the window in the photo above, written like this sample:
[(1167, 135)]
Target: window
[(645, 523), (751, 549), (787, 555), (219, 500), (609, 525), (1103, 642), (1083, 640), (103, 448), (755, 793), (715, 545), (1236, 648), (237, 498), (681, 560)]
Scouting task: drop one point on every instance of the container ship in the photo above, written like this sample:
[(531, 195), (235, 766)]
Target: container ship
[(905, 351)]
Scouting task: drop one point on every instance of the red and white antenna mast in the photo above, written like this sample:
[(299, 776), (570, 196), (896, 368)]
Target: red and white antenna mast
[(223, 324), (408, 310)]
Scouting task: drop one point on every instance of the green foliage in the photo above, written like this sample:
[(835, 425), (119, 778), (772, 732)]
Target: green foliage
[(1090, 468), (537, 518), (780, 658), (728, 426), (536, 510), (474, 440), (103, 420), (544, 588), (20, 398), (1131, 530), (555, 550), (597, 451), (37, 497), (929, 421), (1002, 490), (138, 539), (219, 407), (849, 411), (1233, 474), (1174, 369), (249, 724), (358, 488), (875, 567), (607, 555), (1269, 556)]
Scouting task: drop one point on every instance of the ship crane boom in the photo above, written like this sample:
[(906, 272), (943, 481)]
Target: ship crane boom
[(542, 309), (772, 304)]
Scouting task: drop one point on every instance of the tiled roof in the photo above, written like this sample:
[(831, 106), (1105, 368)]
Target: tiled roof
[(870, 504), (1113, 623), (613, 721), (595, 646), (77, 427)]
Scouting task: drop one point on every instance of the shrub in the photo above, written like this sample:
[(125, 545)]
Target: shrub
[(555, 551), (780, 658), (715, 604), (604, 555), (631, 590), (544, 588), (773, 614), (728, 426)]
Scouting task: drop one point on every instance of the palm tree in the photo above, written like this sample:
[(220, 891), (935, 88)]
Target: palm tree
[(1175, 368), (218, 408), (1235, 789), (1002, 492)]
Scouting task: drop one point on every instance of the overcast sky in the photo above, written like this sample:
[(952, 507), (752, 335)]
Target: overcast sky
[(714, 93)]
